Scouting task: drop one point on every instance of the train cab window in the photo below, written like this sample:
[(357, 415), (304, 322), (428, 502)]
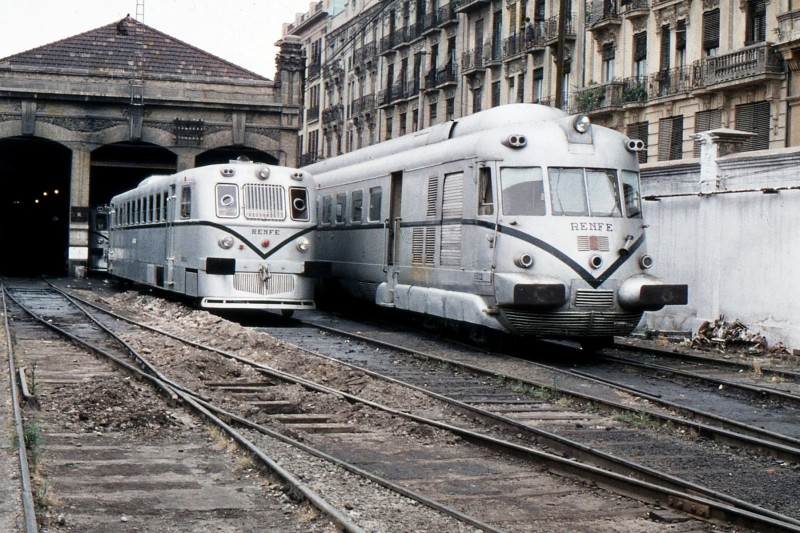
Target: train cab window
[(298, 198), (568, 192), (186, 201), (523, 191), (631, 194), (357, 202), (138, 210), (326, 210), (603, 193), (375, 194), (485, 192), (158, 208), (341, 206), (227, 200), (164, 206)]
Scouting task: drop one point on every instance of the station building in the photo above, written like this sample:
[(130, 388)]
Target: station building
[(89, 116)]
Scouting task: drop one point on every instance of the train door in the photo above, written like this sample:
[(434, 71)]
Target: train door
[(392, 240), (452, 207), (169, 252)]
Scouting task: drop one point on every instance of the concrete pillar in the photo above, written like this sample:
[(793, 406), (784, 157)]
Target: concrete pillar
[(78, 256), (713, 145)]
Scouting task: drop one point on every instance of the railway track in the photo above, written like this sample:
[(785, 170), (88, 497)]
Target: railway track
[(682, 495), (693, 462)]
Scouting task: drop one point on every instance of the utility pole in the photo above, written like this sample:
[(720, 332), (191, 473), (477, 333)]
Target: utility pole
[(562, 30)]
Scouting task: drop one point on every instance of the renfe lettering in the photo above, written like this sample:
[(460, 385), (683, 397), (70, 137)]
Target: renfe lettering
[(591, 226), (263, 231)]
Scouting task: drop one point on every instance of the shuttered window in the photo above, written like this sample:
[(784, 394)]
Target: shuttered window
[(755, 118), (640, 46), (639, 130), (452, 202), (711, 31), (705, 121), (756, 21), (665, 48), (670, 138), (680, 35)]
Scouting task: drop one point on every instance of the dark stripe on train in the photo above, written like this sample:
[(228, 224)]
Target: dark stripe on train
[(585, 275), (262, 255)]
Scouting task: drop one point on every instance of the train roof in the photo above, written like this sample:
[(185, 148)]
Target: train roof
[(475, 123), (230, 170)]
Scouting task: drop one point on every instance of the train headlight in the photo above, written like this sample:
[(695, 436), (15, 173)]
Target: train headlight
[(303, 244), (263, 173), (297, 175), (524, 261), (225, 242), (582, 123), (595, 262), (645, 262)]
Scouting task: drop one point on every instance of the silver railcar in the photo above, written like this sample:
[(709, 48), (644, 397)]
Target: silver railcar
[(234, 235), (519, 219)]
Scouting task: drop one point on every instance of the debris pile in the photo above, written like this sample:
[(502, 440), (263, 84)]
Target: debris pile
[(733, 336)]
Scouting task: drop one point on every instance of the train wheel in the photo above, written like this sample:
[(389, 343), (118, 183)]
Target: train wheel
[(287, 313), (595, 344)]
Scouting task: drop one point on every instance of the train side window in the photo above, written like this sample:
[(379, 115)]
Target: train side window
[(326, 210), (298, 198), (568, 192), (227, 200), (485, 192), (631, 194), (523, 191), (341, 206), (357, 200), (186, 201), (375, 195), (164, 206), (138, 210)]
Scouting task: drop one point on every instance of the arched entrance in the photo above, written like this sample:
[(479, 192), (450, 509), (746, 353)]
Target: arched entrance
[(229, 153), (34, 206), (121, 166)]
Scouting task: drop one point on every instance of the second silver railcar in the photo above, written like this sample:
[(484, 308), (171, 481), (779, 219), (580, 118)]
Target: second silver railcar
[(234, 235)]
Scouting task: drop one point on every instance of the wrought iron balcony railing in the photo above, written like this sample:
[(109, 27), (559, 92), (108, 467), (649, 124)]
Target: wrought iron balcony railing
[(752, 63)]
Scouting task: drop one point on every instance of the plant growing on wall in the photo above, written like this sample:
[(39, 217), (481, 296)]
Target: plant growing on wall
[(590, 98)]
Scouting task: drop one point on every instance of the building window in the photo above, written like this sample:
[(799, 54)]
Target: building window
[(450, 110), (402, 119), (680, 44), (640, 131), (495, 93), (711, 32), (608, 62), (477, 96), (670, 138), (521, 88), (640, 55), (388, 133), (755, 118), (756, 22), (705, 121), (433, 110), (538, 78)]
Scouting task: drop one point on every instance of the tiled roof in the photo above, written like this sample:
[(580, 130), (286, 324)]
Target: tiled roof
[(120, 46)]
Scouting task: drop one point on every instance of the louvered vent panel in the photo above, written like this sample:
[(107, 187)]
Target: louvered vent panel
[(587, 298), (589, 243), (417, 246), (452, 201), (264, 202), (275, 284), (433, 196)]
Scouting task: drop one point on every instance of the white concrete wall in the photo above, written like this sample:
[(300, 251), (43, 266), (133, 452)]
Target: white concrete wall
[(737, 247)]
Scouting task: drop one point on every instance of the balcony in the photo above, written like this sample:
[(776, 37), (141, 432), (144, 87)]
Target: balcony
[(673, 82), (550, 30), (597, 99), (312, 114), (603, 14), (365, 55), (467, 6), (474, 60), (751, 65), (440, 78), (333, 114), (307, 159), (395, 39), (314, 68), (635, 9), (363, 106), (789, 38)]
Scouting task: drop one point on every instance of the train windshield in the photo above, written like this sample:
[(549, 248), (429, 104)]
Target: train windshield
[(523, 191), (584, 192)]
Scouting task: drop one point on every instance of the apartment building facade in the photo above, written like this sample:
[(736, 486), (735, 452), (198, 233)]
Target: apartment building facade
[(658, 70)]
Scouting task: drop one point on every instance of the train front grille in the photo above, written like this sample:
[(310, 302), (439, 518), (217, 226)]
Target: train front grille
[(590, 298), (572, 323), (275, 284)]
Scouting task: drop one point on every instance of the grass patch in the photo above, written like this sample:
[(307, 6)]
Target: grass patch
[(637, 419)]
